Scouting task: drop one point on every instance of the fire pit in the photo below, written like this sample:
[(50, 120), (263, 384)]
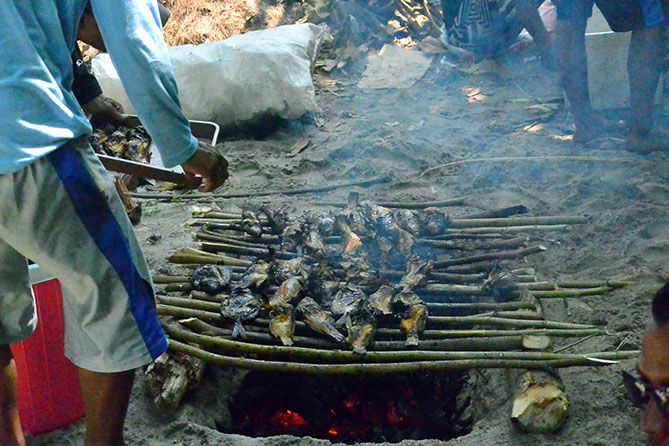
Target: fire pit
[(348, 318)]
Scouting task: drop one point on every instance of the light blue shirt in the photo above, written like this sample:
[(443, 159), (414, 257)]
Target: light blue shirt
[(38, 111)]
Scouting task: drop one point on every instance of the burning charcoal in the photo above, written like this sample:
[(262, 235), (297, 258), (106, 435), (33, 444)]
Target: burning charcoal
[(277, 218), (417, 272), (408, 220), (319, 320), (282, 324), (250, 224), (283, 270), (433, 222), (350, 240), (361, 327), (212, 279), (346, 301), (256, 277), (501, 284), (242, 305), (383, 300), (413, 316), (288, 293)]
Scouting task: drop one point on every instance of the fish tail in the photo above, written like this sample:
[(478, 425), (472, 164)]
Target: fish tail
[(238, 331)]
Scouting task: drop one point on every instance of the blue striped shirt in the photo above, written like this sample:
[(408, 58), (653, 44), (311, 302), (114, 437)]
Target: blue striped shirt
[(38, 111)]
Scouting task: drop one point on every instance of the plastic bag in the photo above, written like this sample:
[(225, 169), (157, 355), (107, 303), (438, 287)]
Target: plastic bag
[(240, 81)]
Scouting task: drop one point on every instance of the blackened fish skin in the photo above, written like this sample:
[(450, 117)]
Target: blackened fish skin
[(212, 279)]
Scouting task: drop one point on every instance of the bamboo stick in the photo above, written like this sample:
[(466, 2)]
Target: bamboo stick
[(432, 322), (490, 256), (501, 213), (264, 193), (241, 250), (295, 353), (446, 308), (158, 279), (190, 256), (178, 287), (517, 221), (564, 294), (403, 204), (516, 242), (195, 304), (386, 368), (502, 231)]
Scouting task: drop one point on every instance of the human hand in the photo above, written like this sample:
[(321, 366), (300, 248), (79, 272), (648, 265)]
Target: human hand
[(106, 109), (209, 164)]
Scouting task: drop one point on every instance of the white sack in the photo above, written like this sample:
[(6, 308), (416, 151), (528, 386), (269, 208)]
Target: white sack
[(240, 80)]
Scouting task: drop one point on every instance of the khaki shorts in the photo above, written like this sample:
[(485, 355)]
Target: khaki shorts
[(63, 213)]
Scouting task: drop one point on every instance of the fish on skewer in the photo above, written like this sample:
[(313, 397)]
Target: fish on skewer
[(277, 218), (502, 284), (346, 301), (351, 242), (287, 294), (413, 316), (251, 225), (283, 270), (256, 277), (212, 279), (311, 238), (361, 328), (241, 305), (326, 224), (408, 220), (282, 324), (318, 319), (383, 300), (433, 222), (417, 272)]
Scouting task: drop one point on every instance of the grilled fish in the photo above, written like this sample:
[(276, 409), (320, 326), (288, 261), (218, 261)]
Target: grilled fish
[(501, 284), (277, 218), (318, 319), (312, 239), (433, 222), (408, 220), (241, 305), (287, 294), (383, 300), (413, 315), (283, 270), (347, 301), (212, 279), (250, 224), (350, 240), (282, 324), (256, 277), (417, 272), (361, 327)]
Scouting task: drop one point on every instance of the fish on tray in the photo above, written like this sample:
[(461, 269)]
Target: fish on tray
[(282, 324), (241, 305), (212, 279), (318, 319)]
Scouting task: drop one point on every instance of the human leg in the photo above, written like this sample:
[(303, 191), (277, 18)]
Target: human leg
[(63, 212), (10, 425), (528, 16), (106, 397)]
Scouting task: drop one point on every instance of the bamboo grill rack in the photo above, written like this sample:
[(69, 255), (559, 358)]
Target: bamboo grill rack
[(466, 329)]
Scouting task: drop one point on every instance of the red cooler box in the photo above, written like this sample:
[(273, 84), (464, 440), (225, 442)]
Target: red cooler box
[(49, 392)]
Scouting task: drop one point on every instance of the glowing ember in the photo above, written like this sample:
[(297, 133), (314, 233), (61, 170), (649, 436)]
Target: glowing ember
[(288, 421)]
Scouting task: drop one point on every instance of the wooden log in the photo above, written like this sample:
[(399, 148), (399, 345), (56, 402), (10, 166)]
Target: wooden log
[(170, 377), (540, 402)]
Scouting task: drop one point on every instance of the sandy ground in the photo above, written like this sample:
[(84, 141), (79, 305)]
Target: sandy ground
[(401, 133)]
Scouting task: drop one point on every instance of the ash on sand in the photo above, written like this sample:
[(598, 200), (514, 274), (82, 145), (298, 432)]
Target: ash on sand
[(403, 132)]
